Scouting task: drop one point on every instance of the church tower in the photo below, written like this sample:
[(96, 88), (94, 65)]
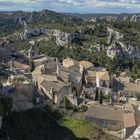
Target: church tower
[(33, 52)]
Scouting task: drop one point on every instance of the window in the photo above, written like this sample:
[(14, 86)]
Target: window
[(104, 124), (104, 84)]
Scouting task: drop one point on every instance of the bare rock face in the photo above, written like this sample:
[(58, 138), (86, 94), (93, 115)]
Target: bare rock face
[(111, 52), (136, 52), (113, 34), (108, 18), (7, 50), (123, 51), (135, 18), (63, 38), (93, 19), (28, 33), (32, 42), (8, 46), (119, 49), (137, 81)]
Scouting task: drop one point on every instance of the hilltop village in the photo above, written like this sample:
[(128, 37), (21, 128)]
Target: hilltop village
[(34, 80)]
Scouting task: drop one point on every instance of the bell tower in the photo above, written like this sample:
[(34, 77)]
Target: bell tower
[(33, 52)]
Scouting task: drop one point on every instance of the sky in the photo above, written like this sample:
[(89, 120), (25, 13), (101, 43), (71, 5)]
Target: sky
[(73, 6)]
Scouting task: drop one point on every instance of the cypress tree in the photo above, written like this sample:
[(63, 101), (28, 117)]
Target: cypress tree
[(101, 97), (32, 66), (96, 95)]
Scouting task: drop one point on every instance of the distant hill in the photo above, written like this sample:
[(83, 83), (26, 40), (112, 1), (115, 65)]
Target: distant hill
[(43, 16), (98, 15), (12, 21)]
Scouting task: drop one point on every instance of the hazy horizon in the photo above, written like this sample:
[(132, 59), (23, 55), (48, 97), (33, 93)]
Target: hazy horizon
[(67, 12), (73, 6)]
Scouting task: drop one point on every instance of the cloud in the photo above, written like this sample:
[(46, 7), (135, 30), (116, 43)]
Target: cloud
[(72, 5), (102, 3)]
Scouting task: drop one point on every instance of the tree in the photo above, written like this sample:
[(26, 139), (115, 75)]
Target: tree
[(101, 97), (2, 111), (6, 102), (96, 95), (32, 66), (0, 87), (84, 108), (66, 103)]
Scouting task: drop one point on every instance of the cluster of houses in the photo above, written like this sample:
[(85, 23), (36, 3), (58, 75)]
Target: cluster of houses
[(80, 82)]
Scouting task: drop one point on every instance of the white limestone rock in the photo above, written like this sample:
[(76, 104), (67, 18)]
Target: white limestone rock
[(137, 81), (63, 38), (135, 18), (123, 51), (28, 33)]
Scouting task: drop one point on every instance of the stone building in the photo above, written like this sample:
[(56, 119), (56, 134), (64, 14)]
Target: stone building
[(70, 77), (55, 90), (103, 79), (22, 84), (87, 65), (33, 52), (90, 78), (105, 117), (18, 67), (73, 65)]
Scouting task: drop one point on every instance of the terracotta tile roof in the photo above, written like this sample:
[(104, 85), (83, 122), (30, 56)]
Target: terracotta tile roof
[(90, 76), (91, 73), (36, 74), (129, 120), (40, 79), (15, 64), (40, 59), (51, 66), (48, 85), (70, 74), (137, 113), (75, 78), (131, 87), (49, 77), (69, 62), (86, 64), (104, 112), (128, 107), (63, 69), (103, 75), (63, 75), (37, 70), (137, 117), (90, 79)]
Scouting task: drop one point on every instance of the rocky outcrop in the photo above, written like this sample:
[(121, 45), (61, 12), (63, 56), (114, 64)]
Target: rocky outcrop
[(137, 81), (117, 48), (113, 34), (108, 18), (28, 33), (93, 19), (123, 51), (62, 38), (7, 50), (135, 18)]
